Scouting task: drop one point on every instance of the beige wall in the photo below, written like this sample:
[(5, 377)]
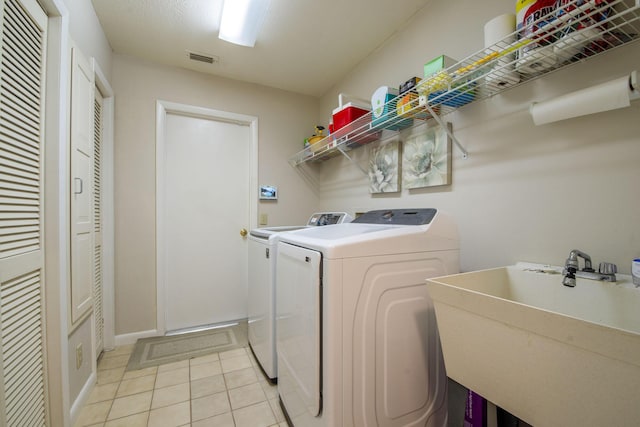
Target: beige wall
[(284, 120), (78, 375), (525, 192), (85, 30)]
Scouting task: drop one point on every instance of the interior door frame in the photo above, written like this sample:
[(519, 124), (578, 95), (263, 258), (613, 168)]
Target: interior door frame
[(162, 109)]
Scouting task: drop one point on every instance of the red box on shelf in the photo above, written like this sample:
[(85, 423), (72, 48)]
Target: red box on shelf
[(352, 121), (347, 114)]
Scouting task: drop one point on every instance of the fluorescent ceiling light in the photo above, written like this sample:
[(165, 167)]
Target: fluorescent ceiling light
[(241, 20)]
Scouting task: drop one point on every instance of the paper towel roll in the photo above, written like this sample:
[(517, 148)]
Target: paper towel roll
[(603, 97), (499, 28), (499, 33)]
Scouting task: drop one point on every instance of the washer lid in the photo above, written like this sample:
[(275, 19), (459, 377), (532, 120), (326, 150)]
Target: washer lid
[(355, 239), (316, 220), (266, 232)]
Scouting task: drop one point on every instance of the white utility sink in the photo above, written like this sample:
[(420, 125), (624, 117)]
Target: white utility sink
[(549, 354)]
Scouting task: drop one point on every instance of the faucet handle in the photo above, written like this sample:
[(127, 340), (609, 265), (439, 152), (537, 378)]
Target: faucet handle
[(607, 268)]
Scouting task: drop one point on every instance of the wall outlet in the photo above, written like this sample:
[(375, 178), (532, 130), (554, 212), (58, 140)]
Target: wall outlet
[(264, 218), (79, 356)]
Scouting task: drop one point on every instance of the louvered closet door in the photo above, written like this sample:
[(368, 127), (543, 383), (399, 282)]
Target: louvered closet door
[(22, 362), (97, 224)]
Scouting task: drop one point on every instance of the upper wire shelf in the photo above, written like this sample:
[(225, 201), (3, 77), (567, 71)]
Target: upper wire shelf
[(573, 32)]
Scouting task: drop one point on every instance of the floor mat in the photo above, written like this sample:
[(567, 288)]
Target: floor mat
[(158, 350)]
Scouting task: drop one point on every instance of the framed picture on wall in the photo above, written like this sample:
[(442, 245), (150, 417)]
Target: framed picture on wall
[(426, 158), (384, 168), (268, 192)]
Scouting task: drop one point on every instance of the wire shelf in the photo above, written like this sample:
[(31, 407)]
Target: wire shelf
[(574, 32)]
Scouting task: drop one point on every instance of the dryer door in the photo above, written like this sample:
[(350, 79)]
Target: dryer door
[(299, 320)]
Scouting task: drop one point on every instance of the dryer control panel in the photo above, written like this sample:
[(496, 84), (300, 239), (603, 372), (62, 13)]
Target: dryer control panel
[(328, 218), (398, 216)]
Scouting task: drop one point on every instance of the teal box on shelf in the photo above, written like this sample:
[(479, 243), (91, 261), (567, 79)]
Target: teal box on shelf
[(383, 111), (456, 97)]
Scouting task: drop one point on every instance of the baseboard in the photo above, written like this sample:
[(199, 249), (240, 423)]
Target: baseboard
[(82, 398), (126, 339)]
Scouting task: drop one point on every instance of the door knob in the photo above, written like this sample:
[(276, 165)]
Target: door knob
[(243, 232)]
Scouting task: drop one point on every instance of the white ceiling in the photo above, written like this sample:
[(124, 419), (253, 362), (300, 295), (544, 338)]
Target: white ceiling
[(305, 46)]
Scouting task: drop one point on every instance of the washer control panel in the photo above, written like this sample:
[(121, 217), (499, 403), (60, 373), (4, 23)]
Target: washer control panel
[(398, 216), (328, 218)]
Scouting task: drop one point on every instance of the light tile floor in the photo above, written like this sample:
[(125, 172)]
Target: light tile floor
[(224, 389)]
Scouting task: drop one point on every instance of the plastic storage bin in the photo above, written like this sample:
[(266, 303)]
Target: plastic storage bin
[(438, 86), (384, 109)]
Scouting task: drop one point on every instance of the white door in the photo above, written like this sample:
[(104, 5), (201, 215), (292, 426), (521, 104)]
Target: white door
[(206, 205), (23, 38), (82, 139), (98, 312)]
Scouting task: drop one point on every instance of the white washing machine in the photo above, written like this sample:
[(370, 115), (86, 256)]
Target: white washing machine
[(357, 338), (261, 294)]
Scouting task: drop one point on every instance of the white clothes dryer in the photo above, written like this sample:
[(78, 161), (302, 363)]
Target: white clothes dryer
[(261, 282), (357, 338)]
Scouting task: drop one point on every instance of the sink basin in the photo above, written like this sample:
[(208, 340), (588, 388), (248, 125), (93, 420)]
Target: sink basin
[(549, 354)]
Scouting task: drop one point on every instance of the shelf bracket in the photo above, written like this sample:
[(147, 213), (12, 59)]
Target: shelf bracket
[(303, 171), (437, 118), (341, 149)]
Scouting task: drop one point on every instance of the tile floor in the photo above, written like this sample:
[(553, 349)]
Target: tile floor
[(225, 389)]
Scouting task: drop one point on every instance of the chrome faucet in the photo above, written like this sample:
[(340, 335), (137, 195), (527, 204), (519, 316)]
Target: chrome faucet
[(606, 271)]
